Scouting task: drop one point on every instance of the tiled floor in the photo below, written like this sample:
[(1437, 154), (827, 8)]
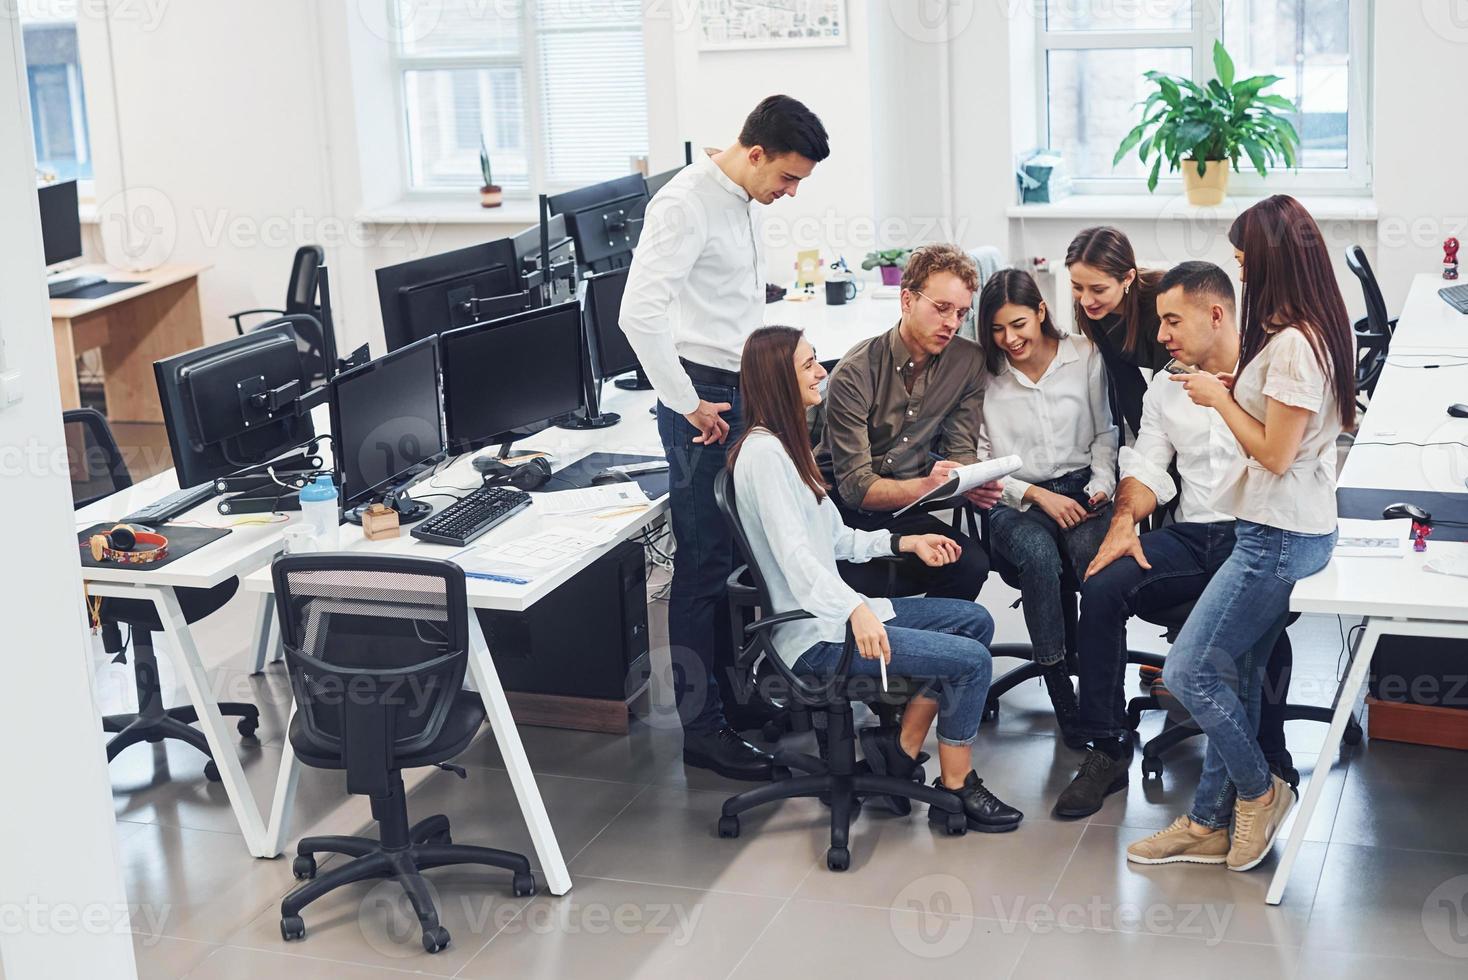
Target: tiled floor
[(1381, 887)]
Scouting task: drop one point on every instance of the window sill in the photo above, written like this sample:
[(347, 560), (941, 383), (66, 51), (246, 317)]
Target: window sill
[(1173, 207), (453, 211)]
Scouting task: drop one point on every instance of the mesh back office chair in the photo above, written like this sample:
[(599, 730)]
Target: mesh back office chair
[(1374, 331), (99, 470), (301, 310), (836, 780), (376, 647)]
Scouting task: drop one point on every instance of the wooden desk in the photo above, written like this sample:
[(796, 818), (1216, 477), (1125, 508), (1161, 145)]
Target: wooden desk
[(133, 328)]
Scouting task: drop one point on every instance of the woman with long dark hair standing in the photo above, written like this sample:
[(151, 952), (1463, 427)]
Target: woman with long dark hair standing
[(1294, 392), (1116, 309), (797, 536)]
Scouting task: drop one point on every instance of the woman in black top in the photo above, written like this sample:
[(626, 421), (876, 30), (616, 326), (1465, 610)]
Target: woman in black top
[(1116, 307)]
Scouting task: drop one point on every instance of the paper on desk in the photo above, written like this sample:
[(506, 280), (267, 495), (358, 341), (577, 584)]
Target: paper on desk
[(1373, 539), (589, 500), (965, 478), (547, 548)]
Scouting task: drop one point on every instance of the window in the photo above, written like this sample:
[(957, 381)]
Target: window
[(555, 88), (1092, 54), (58, 108)]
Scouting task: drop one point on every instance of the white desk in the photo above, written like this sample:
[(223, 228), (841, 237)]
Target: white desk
[(247, 552), (833, 330), (1395, 596)]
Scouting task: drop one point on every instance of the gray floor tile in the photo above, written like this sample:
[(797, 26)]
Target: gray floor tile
[(814, 939), (624, 929), (164, 958), (232, 963), (1391, 903), (1343, 966), (1056, 951), (1221, 904), (669, 836), (1405, 796)]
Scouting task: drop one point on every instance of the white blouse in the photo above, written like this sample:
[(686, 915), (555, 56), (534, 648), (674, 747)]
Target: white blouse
[(1056, 425), (796, 542), (1302, 499)]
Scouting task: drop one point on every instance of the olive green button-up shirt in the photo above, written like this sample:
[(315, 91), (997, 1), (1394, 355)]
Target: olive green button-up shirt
[(877, 429)]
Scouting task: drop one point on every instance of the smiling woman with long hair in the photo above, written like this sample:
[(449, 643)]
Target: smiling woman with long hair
[(1294, 391), (796, 537)]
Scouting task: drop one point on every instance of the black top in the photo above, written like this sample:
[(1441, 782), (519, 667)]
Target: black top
[(1126, 384)]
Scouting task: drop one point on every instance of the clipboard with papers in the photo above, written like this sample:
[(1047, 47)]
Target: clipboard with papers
[(965, 478)]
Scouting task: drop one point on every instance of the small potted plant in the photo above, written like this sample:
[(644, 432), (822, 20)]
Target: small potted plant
[(1203, 130), (890, 260), (491, 195)]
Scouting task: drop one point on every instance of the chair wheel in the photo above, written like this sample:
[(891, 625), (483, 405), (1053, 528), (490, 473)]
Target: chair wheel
[(247, 727), (956, 824), (292, 927), (435, 939), (729, 827), (991, 711), (838, 858), (1152, 768), (211, 771), (304, 867), (1353, 733)]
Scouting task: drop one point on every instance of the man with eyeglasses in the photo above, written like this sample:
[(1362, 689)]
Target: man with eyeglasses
[(902, 412)]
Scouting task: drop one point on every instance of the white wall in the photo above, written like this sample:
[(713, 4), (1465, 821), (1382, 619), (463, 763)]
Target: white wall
[(64, 909)]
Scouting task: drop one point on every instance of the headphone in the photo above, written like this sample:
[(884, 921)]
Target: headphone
[(128, 544), (530, 475)]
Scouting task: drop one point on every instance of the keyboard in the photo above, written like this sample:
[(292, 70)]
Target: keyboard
[(165, 509), (469, 517), (1456, 297)]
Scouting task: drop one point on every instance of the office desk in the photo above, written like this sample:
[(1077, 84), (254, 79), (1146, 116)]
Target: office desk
[(833, 330), (1410, 406), (133, 327), (1427, 323)]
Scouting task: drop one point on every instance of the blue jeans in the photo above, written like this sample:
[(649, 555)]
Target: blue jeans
[(1212, 669), (1039, 550), (941, 642), (698, 605)]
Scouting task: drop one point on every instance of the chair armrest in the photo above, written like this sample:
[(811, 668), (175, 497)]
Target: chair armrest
[(239, 327), (770, 622)]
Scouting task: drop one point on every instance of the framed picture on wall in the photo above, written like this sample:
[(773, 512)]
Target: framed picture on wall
[(726, 25)]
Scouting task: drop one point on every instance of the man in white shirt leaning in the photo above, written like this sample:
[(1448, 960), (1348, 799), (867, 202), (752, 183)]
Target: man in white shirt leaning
[(695, 292), (1135, 574)]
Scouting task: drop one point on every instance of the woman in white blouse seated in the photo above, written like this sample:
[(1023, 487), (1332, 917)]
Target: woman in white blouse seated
[(1047, 404), (796, 536)]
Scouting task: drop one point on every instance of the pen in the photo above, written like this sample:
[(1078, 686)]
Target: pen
[(883, 662)]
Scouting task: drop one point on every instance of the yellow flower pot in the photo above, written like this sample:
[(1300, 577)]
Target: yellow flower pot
[(1208, 190)]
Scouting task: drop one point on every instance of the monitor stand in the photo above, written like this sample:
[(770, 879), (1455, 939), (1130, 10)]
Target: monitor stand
[(598, 421), (637, 382), (409, 511)]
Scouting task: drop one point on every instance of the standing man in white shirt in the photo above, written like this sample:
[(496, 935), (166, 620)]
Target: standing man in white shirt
[(1134, 574), (696, 290)]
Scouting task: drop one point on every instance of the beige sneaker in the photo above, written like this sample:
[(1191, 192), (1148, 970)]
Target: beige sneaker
[(1257, 824), (1179, 844)]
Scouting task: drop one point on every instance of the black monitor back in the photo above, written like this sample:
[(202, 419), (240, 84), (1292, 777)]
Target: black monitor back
[(604, 220), (213, 430), (611, 354), (61, 225), (427, 296), (511, 373), (656, 182)]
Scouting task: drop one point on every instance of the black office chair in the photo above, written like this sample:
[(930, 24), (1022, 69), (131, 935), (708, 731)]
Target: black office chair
[(836, 780), (302, 311), (1374, 331), (376, 647), (98, 470)]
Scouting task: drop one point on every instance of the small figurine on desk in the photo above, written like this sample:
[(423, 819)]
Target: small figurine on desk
[(1450, 259), (1420, 534)]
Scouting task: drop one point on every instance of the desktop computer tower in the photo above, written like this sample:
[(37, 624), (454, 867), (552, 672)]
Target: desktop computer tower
[(586, 640)]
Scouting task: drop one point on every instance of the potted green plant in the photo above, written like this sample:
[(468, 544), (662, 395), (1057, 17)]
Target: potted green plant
[(890, 260), (490, 195), (1203, 130)]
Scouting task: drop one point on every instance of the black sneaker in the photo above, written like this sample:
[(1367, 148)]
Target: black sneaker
[(725, 753), (1067, 709), (882, 752), (986, 813), (1100, 775)]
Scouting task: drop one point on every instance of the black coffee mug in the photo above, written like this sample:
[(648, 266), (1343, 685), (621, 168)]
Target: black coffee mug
[(838, 291)]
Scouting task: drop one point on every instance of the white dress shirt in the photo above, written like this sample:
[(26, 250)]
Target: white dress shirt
[(1174, 427), (1057, 425), (1302, 498), (796, 542), (696, 288)]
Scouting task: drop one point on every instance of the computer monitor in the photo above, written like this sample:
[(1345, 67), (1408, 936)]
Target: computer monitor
[(511, 373), (604, 220), (61, 226), (531, 248), (611, 354), (387, 427), (656, 181), (427, 296), (233, 405)]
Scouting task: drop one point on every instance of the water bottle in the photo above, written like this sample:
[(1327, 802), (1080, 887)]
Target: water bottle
[(318, 512)]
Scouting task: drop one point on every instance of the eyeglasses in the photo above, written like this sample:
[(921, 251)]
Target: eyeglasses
[(945, 310)]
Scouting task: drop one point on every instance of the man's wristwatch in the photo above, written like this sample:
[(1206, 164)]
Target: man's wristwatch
[(896, 544)]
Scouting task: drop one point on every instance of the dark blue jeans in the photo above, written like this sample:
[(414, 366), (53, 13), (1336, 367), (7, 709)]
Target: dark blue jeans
[(698, 605)]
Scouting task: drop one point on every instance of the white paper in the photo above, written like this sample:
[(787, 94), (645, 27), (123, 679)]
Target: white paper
[(1373, 539), (587, 500), (549, 548), (965, 478)]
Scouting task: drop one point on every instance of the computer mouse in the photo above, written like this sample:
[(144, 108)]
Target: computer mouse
[(1458, 410), (1406, 510), (607, 476)]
